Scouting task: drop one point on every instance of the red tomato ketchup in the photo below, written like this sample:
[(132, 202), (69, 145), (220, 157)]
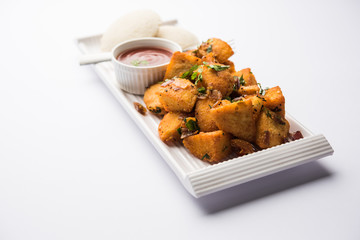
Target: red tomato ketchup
[(145, 56)]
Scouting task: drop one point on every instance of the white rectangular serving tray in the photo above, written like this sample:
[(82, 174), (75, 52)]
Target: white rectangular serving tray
[(201, 178)]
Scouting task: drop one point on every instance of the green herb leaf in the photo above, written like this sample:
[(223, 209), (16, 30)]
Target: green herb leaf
[(192, 125), (199, 78), (262, 91), (205, 156), (185, 74), (218, 68), (209, 49), (201, 90), (190, 72), (179, 130), (193, 75), (137, 62), (239, 81)]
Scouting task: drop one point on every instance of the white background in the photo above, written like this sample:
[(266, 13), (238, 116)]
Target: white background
[(73, 165)]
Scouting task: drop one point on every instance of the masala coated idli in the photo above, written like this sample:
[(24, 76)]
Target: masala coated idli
[(179, 35), (137, 24)]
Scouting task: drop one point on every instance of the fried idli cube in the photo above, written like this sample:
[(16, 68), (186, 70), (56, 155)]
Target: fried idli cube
[(248, 83), (236, 118), (248, 76), (169, 125), (272, 129), (222, 51), (275, 100), (178, 96), (205, 120), (257, 104), (152, 99), (218, 80), (179, 64), (210, 146)]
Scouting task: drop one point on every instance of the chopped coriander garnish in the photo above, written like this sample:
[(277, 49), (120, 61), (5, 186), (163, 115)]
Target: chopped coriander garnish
[(209, 49), (193, 75), (137, 62), (217, 68), (262, 91), (205, 156), (239, 81), (191, 125), (190, 72), (201, 90), (179, 130), (185, 74), (199, 78)]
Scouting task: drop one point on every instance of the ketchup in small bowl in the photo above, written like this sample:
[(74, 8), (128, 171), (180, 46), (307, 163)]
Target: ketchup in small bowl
[(141, 62), (145, 56)]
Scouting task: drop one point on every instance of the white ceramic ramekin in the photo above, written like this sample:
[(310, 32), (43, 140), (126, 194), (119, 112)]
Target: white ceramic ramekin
[(135, 79)]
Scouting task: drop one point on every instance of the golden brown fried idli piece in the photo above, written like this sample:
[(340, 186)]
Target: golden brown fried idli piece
[(221, 50), (216, 80), (248, 83), (202, 113), (236, 118), (275, 100), (272, 129), (257, 104), (180, 63), (179, 95), (152, 99), (169, 125), (248, 76), (210, 146)]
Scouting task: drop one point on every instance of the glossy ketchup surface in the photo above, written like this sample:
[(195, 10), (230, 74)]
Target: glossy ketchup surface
[(145, 56)]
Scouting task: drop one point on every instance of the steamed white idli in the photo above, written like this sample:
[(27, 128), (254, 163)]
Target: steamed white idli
[(179, 35), (137, 24)]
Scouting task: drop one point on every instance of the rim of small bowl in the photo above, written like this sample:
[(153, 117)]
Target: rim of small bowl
[(140, 39)]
